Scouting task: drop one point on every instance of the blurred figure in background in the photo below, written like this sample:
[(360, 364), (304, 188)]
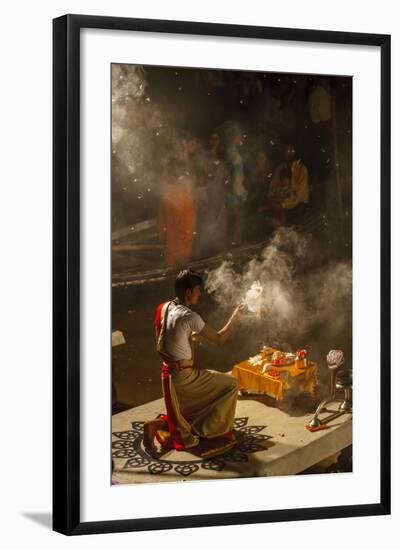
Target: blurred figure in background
[(177, 211), (298, 193), (212, 211), (279, 191), (299, 180), (237, 193), (259, 180)]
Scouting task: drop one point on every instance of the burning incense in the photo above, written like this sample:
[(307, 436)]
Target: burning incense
[(253, 300)]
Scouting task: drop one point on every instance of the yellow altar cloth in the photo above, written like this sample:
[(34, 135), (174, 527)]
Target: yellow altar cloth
[(251, 378)]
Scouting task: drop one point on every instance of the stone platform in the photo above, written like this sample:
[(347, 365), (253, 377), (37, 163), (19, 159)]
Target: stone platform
[(271, 442)]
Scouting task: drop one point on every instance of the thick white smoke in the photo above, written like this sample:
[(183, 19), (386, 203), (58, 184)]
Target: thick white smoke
[(128, 102), (145, 137), (297, 299)]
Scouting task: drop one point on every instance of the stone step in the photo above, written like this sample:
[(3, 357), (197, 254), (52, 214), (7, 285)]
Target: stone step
[(271, 443)]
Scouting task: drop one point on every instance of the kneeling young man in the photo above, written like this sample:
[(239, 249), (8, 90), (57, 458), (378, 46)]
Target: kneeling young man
[(200, 403)]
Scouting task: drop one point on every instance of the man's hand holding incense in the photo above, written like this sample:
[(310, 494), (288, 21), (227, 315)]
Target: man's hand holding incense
[(237, 312), (219, 338)]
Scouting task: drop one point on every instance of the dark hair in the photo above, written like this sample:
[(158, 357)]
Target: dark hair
[(187, 279)]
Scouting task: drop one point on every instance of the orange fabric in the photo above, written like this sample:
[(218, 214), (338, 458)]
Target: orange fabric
[(299, 185), (251, 378), (177, 220)]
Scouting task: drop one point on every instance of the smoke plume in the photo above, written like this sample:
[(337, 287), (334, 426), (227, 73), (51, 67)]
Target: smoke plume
[(297, 300)]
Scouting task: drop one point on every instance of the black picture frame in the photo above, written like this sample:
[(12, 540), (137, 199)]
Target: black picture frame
[(66, 273)]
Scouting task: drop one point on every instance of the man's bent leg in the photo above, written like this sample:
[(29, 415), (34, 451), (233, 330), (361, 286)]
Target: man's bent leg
[(208, 399)]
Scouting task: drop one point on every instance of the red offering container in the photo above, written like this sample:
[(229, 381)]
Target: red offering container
[(301, 358)]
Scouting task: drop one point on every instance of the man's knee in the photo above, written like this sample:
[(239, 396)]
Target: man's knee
[(233, 383), (228, 382)]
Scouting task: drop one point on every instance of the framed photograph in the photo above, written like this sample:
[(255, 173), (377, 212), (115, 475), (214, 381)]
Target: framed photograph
[(221, 274)]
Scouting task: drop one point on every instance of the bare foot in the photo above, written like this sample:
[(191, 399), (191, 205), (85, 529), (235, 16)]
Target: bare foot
[(149, 432)]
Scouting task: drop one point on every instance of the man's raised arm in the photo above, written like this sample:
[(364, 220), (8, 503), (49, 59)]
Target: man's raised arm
[(219, 338)]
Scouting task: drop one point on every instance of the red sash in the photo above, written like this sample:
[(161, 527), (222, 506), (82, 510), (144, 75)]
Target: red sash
[(170, 417)]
